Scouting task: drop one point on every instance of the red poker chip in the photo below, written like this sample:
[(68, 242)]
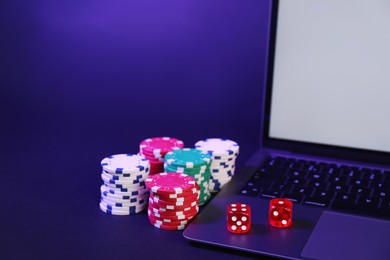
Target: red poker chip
[(189, 211), (185, 201), (155, 162), (165, 227), (173, 212), (169, 222), (173, 215), (153, 158), (174, 218), (170, 183), (152, 155), (160, 145), (174, 206), (169, 197), (177, 217)]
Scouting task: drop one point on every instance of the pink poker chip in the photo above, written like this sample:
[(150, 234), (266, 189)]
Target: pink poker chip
[(160, 145), (170, 183)]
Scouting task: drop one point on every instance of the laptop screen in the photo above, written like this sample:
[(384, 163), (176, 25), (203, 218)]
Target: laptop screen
[(331, 74)]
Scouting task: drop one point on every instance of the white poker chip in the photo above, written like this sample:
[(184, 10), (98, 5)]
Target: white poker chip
[(125, 163), (218, 147)]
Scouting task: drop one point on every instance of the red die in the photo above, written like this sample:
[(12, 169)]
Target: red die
[(238, 218), (280, 213)]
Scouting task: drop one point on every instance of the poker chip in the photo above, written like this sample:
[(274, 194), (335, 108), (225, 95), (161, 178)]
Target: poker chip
[(160, 145), (194, 163), (194, 171), (124, 190), (127, 202), (186, 216), (172, 212), (155, 149), (125, 210), (172, 205), (170, 183), (183, 200), (195, 190), (218, 147), (114, 212), (133, 181), (169, 222), (187, 157), (223, 155), (173, 200), (159, 224), (125, 163), (136, 192)]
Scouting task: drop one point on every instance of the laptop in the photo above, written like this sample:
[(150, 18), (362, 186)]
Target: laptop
[(325, 140)]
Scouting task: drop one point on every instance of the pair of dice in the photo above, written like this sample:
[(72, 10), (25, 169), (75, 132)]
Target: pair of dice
[(239, 215)]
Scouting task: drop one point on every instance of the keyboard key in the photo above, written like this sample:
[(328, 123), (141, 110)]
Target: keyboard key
[(359, 182), (380, 185), (338, 180), (297, 181), (317, 184), (381, 193), (368, 202), (270, 194), (317, 201), (272, 162), (312, 168), (344, 198), (359, 190), (331, 171), (281, 187), (323, 194), (338, 187), (299, 190), (293, 197), (386, 205), (344, 201), (296, 173), (259, 183), (316, 176), (372, 176), (272, 171), (254, 192), (293, 166), (353, 173), (270, 178)]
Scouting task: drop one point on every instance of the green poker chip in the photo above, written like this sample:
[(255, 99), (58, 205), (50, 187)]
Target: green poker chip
[(191, 171), (188, 158)]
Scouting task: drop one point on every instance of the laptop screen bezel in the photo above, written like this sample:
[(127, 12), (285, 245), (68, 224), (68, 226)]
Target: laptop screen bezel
[(339, 152)]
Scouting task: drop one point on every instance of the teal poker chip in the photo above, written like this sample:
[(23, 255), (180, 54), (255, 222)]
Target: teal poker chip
[(188, 158)]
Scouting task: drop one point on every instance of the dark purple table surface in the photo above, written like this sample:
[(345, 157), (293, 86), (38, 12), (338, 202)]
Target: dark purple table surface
[(81, 80)]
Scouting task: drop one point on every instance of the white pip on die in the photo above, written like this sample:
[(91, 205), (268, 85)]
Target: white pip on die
[(238, 218)]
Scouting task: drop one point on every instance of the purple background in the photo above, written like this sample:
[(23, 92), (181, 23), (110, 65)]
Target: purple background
[(81, 80)]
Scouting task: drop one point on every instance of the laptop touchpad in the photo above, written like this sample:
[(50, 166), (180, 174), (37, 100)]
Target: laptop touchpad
[(342, 236)]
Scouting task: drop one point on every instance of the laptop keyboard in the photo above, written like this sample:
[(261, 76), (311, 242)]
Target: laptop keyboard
[(318, 184)]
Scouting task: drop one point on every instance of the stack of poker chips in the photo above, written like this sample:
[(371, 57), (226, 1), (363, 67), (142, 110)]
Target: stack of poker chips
[(223, 155), (124, 190), (173, 200), (194, 163), (155, 149)]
